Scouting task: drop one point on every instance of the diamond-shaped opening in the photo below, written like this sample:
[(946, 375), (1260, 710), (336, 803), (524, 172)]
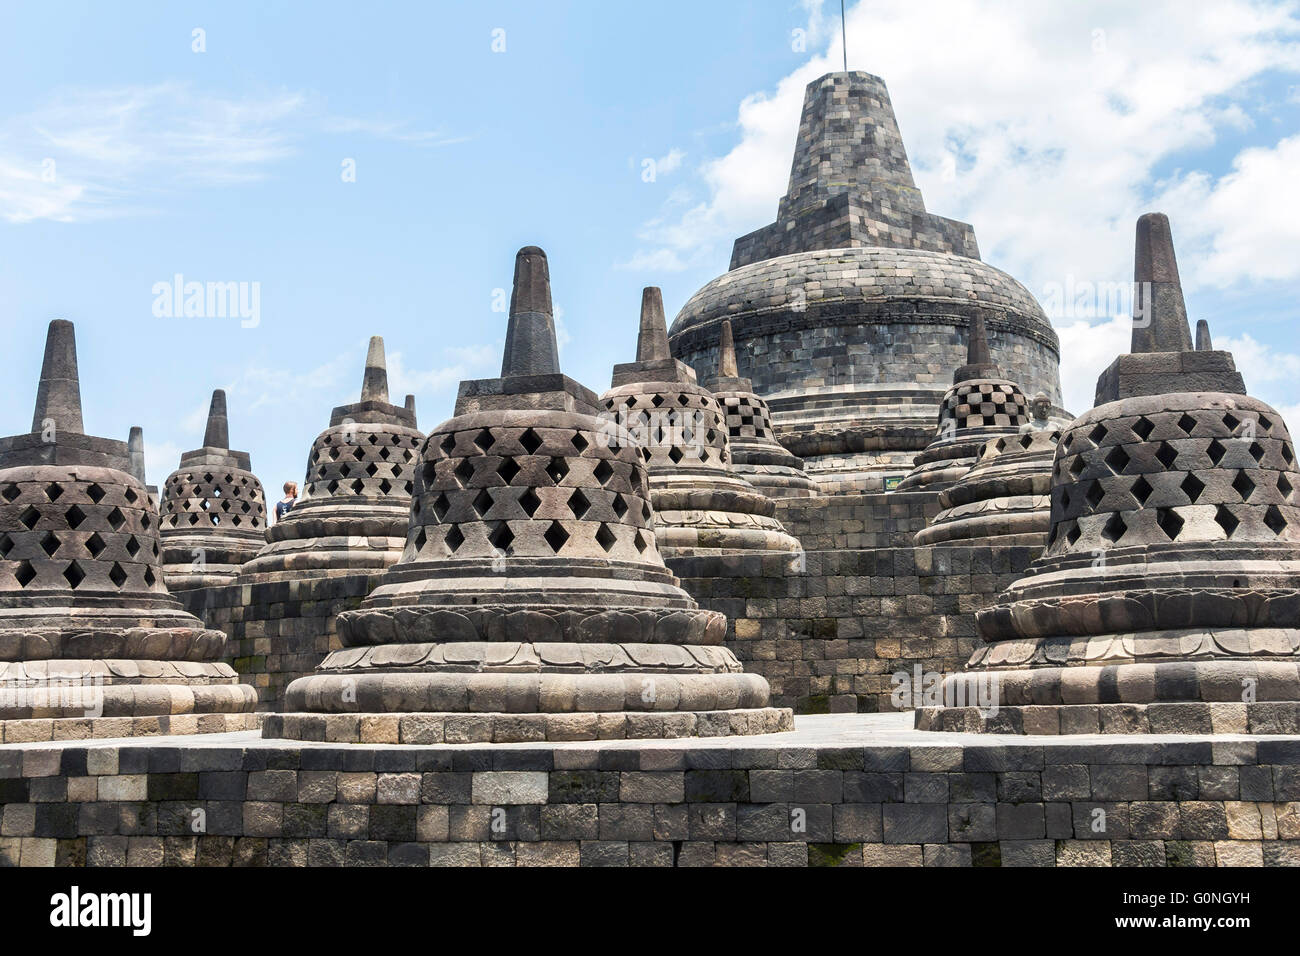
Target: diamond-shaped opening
[(53, 491), (657, 401), (428, 473), (149, 576), (1095, 493), (1097, 434), (1167, 454), (11, 492), (1065, 498), (640, 541), (358, 486), (1230, 420), (1265, 423), (1288, 456), (132, 546), (501, 537), (484, 439), (606, 537), (1143, 427), (531, 441), (373, 439), (1171, 523), (646, 511), (1284, 487), (345, 470), (508, 469), (1275, 520), (334, 454), (1114, 528), (1226, 520), (359, 453), (1074, 534), (1257, 451), (1192, 488), (441, 506), (465, 470), (580, 443), (530, 502), (1025, 442), (74, 575), (455, 538), (117, 575), (675, 454), (50, 543), (1141, 490), (556, 536), (25, 573), (1077, 466), (603, 471), (419, 538), (579, 503), (1215, 450), (6, 545), (385, 486), (1188, 424), (372, 469), (208, 478), (483, 502), (29, 517), (683, 400), (1243, 485), (448, 443), (332, 487), (557, 469), (620, 506), (383, 454), (1117, 460)]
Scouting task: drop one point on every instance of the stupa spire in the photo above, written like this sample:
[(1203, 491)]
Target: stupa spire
[(58, 396), (135, 453), (374, 386), (531, 347), (727, 352), (652, 339), (217, 434), (1203, 341), (1159, 312)]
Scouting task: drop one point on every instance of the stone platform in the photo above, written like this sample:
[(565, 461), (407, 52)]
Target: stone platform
[(839, 790)]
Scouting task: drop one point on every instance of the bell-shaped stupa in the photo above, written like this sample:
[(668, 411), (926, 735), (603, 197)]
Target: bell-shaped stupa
[(1168, 599), (981, 405), (213, 509), (531, 602), (701, 504), (357, 493), (756, 455), (89, 635)]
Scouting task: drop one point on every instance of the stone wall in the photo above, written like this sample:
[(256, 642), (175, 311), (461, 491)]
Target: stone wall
[(1196, 803), (855, 522), (279, 631), (829, 628)]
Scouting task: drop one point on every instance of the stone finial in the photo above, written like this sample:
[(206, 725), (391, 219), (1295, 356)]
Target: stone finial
[(531, 348), (1203, 341), (1159, 312), (58, 396), (410, 405), (727, 353), (135, 453), (979, 361), (374, 386), (217, 434), (652, 340)]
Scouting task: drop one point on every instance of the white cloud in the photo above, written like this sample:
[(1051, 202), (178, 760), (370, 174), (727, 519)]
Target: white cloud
[(1090, 348), (112, 151), (160, 460)]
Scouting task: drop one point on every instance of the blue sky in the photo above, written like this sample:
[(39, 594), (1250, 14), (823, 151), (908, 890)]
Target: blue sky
[(126, 158)]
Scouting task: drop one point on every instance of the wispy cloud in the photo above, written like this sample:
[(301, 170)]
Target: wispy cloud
[(92, 153)]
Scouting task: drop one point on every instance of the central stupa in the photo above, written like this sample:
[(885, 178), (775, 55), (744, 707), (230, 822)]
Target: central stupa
[(851, 310)]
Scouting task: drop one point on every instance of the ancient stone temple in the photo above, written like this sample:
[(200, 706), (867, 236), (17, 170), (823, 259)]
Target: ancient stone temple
[(756, 455), (981, 405), (700, 502), (91, 643), (851, 310), (357, 492), (213, 510), (530, 602), (1167, 598)]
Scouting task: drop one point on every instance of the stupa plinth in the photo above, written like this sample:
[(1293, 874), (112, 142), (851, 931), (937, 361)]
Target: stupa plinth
[(531, 602), (91, 643), (213, 511)]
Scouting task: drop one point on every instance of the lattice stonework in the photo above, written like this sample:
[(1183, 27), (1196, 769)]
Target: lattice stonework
[(1199, 475), (372, 460), (62, 533), (530, 492), (747, 416), (680, 427), (213, 497), (984, 404)]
